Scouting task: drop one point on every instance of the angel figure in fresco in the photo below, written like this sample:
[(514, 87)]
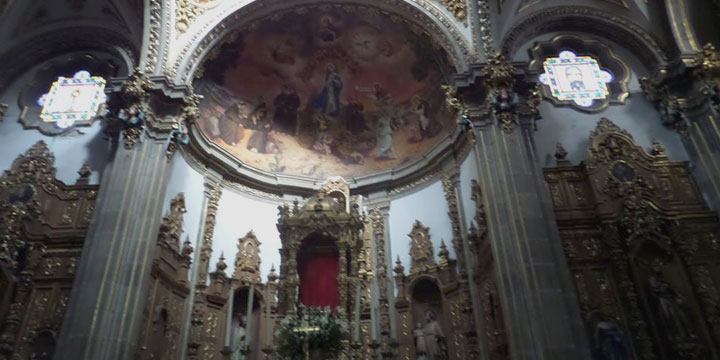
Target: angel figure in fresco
[(328, 103), (421, 109), (385, 148)]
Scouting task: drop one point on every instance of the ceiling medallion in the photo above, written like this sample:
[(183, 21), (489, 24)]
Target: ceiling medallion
[(78, 98), (576, 78)]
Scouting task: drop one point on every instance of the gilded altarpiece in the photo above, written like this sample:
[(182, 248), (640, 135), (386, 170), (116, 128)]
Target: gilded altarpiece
[(169, 288), (332, 216), (432, 293), (43, 223), (642, 248)]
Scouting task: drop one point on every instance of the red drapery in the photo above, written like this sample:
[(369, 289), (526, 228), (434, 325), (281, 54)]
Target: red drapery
[(318, 272)]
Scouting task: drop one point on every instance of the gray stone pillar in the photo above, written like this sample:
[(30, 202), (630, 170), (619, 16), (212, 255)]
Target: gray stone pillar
[(538, 299), (105, 310), (107, 302)]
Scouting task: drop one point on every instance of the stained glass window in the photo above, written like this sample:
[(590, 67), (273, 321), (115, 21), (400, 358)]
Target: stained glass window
[(576, 78), (73, 99)]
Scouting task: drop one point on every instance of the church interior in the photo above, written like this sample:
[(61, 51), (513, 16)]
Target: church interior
[(359, 179)]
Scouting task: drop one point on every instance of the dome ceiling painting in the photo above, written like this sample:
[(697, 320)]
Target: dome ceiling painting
[(325, 91)]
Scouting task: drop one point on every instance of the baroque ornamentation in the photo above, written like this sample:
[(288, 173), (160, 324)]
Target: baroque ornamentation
[(208, 230), (247, 259), (499, 77), (458, 8), (185, 14), (154, 24), (421, 249), (171, 227), (453, 213)]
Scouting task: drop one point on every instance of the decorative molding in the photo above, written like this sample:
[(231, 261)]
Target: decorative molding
[(454, 215), (247, 259), (154, 25), (202, 42), (458, 8), (616, 28), (486, 35), (213, 200)]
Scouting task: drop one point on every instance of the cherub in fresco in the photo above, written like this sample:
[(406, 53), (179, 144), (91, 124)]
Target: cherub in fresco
[(328, 31)]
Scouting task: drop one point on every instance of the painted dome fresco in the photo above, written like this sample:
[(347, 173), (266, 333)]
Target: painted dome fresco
[(326, 92)]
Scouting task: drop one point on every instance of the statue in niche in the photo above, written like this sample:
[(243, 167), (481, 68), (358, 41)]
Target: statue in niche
[(610, 340), (670, 305), (436, 348), (238, 345), (420, 344)]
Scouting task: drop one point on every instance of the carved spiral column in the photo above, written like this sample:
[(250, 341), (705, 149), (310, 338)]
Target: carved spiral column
[(104, 314)]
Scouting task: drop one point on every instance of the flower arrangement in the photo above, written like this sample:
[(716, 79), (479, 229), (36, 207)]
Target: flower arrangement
[(320, 329)]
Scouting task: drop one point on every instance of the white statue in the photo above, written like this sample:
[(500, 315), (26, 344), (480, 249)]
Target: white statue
[(238, 338), (434, 338), (420, 345)]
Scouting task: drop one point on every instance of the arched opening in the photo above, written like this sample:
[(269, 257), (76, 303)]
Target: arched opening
[(245, 331), (318, 267), (427, 314)]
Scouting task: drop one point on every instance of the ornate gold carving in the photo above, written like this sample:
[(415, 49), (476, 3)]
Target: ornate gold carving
[(458, 8), (453, 213), (486, 35), (185, 14), (208, 231), (421, 249), (247, 259), (171, 227), (671, 110), (154, 24), (499, 78), (337, 187)]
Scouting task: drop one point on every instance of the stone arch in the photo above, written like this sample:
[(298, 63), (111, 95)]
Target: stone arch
[(645, 46), (21, 58), (439, 27)]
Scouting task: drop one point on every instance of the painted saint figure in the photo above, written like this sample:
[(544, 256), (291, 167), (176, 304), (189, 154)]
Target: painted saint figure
[(286, 110), (260, 141), (384, 138), (328, 103), (421, 109)]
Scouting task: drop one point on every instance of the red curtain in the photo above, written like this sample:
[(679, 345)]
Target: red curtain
[(318, 279)]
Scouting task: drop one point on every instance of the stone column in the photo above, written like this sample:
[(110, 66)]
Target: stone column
[(689, 102), (105, 309), (543, 318)]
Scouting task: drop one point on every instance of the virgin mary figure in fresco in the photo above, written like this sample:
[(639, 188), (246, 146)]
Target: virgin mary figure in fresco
[(328, 103)]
